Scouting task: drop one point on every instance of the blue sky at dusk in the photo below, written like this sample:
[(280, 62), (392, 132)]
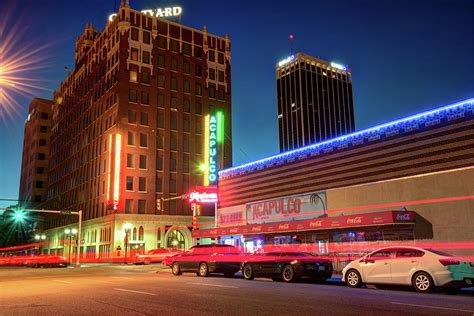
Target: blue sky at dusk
[(405, 56)]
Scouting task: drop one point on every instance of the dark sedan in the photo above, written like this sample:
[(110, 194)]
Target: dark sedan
[(287, 266)]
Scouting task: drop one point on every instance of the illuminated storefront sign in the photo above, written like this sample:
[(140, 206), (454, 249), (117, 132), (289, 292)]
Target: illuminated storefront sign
[(118, 149), (286, 60), (203, 195), (159, 12), (108, 168), (214, 138), (285, 208), (338, 66)]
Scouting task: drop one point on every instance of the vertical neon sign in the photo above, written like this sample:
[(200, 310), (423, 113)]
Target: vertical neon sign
[(108, 168), (118, 148), (214, 138)]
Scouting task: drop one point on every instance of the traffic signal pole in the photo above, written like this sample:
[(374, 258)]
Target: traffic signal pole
[(78, 213)]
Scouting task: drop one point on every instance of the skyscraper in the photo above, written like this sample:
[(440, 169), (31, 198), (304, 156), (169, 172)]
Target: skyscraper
[(35, 160), (128, 121), (314, 99)]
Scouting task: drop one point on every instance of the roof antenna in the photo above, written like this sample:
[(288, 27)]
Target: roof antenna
[(291, 37)]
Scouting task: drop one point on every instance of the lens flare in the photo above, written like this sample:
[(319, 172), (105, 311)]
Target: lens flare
[(20, 62)]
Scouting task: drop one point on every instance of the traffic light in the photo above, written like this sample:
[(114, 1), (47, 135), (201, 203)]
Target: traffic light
[(198, 209), (159, 204)]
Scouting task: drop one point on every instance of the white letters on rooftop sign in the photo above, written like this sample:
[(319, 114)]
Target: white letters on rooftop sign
[(338, 66), (160, 12)]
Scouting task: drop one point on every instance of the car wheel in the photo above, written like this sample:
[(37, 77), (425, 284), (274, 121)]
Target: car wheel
[(247, 271), (288, 273), (176, 269), (422, 282), (203, 270), (353, 278)]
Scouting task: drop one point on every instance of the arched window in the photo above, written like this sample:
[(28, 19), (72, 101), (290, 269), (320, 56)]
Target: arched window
[(140, 233), (175, 239), (134, 236)]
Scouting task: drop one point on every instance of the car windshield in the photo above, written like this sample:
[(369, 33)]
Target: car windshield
[(440, 253)]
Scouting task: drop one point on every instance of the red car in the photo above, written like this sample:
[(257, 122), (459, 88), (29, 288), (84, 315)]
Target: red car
[(155, 255), (46, 261)]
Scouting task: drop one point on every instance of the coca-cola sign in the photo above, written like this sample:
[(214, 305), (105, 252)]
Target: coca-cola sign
[(404, 217), (354, 220)]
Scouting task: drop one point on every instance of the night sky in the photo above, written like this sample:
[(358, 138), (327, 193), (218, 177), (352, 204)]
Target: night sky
[(405, 56)]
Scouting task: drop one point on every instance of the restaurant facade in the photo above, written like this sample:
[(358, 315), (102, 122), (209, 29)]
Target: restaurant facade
[(408, 181)]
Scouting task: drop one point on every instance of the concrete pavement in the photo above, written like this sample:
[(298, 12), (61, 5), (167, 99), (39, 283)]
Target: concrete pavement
[(151, 290)]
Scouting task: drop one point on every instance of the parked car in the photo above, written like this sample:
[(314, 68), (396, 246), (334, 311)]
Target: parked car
[(287, 266), (421, 268), (155, 255), (46, 261), (206, 259)]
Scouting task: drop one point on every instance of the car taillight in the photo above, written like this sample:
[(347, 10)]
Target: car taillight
[(449, 262)]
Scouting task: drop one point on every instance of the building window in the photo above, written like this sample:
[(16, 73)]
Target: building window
[(212, 91), (174, 46), (212, 55), (146, 37), (186, 68), (186, 164), (173, 183), (146, 57), (173, 162), (173, 121), (145, 77), (128, 206), (134, 34), (160, 120), (186, 143), (198, 125), (40, 170), (174, 84), (39, 184), (220, 58), (44, 115), (186, 86), (174, 64), (131, 139), (221, 94), (38, 198), (143, 162), (132, 117), (198, 108), (173, 142), (142, 184), (145, 98), (161, 81), (134, 54), (144, 118), (159, 183), (129, 160), (186, 106), (129, 185), (161, 61), (174, 102), (197, 52), (221, 76), (133, 76), (186, 123), (198, 70), (41, 156), (43, 129), (161, 101), (159, 161), (143, 140), (42, 142), (132, 95), (141, 210), (141, 231), (161, 42), (159, 141), (197, 145), (212, 74), (198, 89), (186, 49)]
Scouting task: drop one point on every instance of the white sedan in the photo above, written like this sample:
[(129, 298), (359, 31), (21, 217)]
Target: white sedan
[(421, 268)]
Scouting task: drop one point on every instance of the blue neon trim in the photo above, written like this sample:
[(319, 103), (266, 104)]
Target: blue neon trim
[(371, 133)]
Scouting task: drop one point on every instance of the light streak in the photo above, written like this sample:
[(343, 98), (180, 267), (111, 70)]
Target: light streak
[(118, 148)]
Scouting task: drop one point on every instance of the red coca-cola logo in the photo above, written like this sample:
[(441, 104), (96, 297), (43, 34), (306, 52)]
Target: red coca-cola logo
[(283, 226), (316, 224), (233, 230), (256, 228), (355, 220), (403, 217)]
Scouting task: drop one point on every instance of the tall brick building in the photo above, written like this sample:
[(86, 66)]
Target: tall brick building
[(128, 121), (35, 160)]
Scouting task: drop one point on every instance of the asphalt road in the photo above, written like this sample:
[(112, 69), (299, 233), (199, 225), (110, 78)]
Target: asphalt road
[(152, 290)]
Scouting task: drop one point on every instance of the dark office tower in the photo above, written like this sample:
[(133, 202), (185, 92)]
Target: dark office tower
[(315, 101)]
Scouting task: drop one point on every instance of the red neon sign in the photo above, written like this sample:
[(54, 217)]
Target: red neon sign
[(203, 195)]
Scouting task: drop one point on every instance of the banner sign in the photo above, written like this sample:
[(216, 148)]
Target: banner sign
[(358, 220), (286, 208)]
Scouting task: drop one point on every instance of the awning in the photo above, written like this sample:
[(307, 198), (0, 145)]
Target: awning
[(357, 220)]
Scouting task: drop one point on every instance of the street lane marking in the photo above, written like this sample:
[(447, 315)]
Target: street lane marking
[(139, 292), (216, 285), (61, 281), (115, 277), (435, 307)]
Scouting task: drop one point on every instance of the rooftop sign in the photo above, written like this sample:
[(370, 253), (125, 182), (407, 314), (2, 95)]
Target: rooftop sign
[(286, 60), (338, 66), (159, 12)]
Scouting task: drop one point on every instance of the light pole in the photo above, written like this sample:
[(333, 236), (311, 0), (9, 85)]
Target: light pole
[(70, 233), (127, 227)]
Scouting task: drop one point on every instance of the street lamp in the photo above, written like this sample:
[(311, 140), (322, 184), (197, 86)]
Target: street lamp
[(127, 227), (37, 237), (69, 233)]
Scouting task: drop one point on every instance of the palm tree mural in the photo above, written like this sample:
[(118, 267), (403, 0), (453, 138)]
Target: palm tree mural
[(318, 199)]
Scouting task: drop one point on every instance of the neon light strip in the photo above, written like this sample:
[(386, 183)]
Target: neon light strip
[(220, 127), (118, 148), (376, 131), (108, 168), (206, 150)]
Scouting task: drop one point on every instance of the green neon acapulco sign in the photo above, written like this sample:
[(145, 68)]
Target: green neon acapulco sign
[(216, 139)]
